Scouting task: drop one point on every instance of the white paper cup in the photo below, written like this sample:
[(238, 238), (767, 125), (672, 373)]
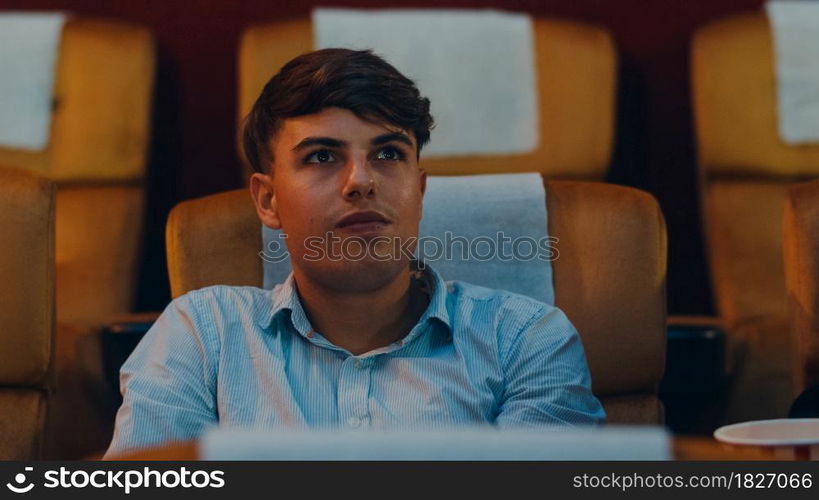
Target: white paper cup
[(785, 439)]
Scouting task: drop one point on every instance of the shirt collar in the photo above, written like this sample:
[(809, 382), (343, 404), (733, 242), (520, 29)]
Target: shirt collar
[(285, 297), (438, 290)]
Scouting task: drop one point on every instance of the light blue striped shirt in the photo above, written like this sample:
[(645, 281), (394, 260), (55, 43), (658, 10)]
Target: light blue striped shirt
[(244, 356)]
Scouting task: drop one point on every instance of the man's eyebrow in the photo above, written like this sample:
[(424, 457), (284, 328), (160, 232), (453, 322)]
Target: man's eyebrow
[(319, 141), (394, 136)]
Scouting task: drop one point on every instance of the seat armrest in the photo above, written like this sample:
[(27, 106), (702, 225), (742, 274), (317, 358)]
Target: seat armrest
[(695, 380), (102, 352), (695, 359), (118, 341)]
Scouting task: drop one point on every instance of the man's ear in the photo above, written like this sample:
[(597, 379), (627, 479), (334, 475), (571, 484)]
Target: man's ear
[(264, 196)]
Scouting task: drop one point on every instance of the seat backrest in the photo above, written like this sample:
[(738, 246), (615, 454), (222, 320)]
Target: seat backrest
[(609, 277), (801, 248), (576, 80), (97, 154), (745, 168), (27, 203)]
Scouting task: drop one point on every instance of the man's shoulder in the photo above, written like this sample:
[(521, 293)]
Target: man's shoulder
[(222, 300), (509, 309), (506, 319), (222, 292), (494, 297)]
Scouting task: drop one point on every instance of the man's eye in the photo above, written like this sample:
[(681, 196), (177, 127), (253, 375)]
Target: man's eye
[(390, 154), (320, 156)]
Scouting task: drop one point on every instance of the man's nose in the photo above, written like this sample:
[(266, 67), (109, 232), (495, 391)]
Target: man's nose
[(360, 181)]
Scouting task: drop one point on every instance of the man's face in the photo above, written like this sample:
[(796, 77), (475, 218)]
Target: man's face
[(359, 182)]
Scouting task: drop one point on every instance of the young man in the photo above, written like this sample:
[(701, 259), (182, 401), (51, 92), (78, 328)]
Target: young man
[(367, 342)]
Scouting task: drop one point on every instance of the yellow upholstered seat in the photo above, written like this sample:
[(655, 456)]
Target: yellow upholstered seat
[(745, 170), (576, 75), (26, 310), (97, 154), (609, 277), (801, 250)]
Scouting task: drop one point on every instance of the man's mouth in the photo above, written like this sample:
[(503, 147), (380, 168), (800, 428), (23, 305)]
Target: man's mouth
[(363, 222)]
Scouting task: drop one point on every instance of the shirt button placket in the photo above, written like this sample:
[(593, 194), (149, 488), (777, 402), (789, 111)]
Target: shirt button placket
[(353, 393)]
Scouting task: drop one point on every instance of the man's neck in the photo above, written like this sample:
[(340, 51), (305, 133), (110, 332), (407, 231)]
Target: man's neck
[(361, 322)]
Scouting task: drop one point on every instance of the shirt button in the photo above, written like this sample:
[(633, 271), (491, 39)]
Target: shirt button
[(358, 363), (353, 421)]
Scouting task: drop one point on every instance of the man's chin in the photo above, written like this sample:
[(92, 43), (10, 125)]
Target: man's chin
[(359, 276)]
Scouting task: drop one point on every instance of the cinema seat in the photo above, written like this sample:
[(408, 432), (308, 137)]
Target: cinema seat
[(97, 156), (801, 249), (576, 85), (26, 311), (609, 277), (745, 172)]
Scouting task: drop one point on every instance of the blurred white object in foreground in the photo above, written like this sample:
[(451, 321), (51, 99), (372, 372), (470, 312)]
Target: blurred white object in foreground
[(589, 443), (794, 438)]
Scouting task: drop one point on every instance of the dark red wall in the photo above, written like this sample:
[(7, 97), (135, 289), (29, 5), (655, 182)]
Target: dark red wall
[(194, 151)]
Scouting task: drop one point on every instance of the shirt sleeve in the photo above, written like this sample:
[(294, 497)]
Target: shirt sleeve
[(168, 383), (547, 379)]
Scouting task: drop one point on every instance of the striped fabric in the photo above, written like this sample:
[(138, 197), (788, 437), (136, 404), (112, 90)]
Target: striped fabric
[(244, 356)]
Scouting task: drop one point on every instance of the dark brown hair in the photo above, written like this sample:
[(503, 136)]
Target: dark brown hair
[(356, 80)]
